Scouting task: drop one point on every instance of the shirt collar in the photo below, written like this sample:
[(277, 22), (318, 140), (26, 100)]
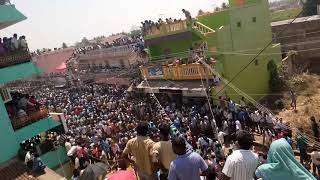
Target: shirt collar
[(185, 155), (142, 137)]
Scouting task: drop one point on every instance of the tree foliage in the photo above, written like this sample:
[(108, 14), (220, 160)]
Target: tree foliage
[(64, 45), (275, 82), (200, 12), (224, 5), (310, 7)]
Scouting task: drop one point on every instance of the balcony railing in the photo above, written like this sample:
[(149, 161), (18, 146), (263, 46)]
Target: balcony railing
[(167, 28), (15, 58), (20, 122), (193, 71)]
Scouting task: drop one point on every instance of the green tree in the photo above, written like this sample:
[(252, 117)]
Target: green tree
[(224, 5), (310, 7), (85, 41), (64, 45), (275, 82), (135, 32), (200, 12)]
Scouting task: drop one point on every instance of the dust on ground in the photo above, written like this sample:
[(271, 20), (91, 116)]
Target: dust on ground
[(307, 89)]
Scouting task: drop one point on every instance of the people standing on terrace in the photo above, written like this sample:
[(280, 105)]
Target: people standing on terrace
[(4, 2), (188, 17), (12, 44)]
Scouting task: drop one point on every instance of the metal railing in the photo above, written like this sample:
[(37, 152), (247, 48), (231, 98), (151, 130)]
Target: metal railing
[(15, 58), (23, 121), (166, 28), (178, 26), (203, 29)]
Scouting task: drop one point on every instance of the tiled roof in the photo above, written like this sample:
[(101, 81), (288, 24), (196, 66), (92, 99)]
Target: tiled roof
[(298, 20), (51, 60)]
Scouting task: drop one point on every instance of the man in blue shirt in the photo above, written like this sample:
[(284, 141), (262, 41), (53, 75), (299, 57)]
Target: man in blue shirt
[(187, 165)]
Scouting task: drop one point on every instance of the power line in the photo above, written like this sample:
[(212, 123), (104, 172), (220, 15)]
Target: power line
[(260, 52)]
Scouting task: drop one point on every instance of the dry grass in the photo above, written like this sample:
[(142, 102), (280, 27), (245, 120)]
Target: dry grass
[(306, 87)]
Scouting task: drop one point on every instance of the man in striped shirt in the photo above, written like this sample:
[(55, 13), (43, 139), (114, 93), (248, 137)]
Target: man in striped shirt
[(242, 163)]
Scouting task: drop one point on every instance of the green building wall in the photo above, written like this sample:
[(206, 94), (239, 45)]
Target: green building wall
[(241, 32), (10, 139), (54, 159), (178, 48), (245, 41), (215, 20), (9, 144)]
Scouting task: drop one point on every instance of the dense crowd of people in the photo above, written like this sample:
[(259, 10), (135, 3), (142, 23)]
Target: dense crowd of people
[(9, 45), (109, 124), (135, 43), (149, 26)]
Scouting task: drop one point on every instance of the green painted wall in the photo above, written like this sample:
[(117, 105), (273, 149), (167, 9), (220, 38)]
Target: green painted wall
[(247, 40), (175, 46), (215, 20), (20, 71), (9, 145), (250, 34), (53, 158), (254, 80), (36, 128), (245, 31)]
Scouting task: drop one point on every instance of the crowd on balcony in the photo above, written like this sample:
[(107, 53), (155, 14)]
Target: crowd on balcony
[(21, 105), (4, 2), (106, 122), (24, 109), (31, 149), (132, 42), (10, 45), (148, 25)]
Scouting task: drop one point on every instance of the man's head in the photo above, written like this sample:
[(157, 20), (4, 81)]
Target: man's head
[(312, 118), (142, 128), (245, 140), (164, 131), (178, 145), (15, 36), (183, 10)]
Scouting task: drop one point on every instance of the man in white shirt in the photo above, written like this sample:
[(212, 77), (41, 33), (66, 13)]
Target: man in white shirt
[(221, 135), (242, 163), (238, 125), (67, 145), (23, 43), (15, 42)]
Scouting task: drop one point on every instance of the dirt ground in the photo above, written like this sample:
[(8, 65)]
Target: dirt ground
[(307, 89)]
